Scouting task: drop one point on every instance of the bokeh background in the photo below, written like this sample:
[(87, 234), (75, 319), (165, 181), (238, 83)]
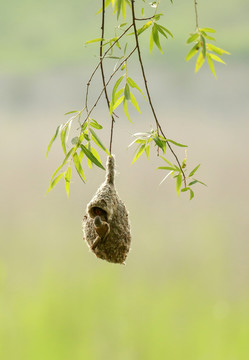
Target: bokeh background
[(184, 293)]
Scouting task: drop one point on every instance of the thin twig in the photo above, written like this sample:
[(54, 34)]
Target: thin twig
[(196, 15), (107, 83), (102, 70), (148, 92), (148, 18), (98, 65)]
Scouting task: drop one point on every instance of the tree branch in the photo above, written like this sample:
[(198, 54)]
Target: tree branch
[(148, 92)]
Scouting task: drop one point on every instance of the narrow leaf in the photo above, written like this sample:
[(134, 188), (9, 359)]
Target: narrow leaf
[(178, 183), (91, 157), (134, 102), (147, 151), (217, 50), (192, 38), (211, 64), (78, 167), (93, 41), (139, 153), (216, 58), (208, 30), (134, 85), (194, 170), (127, 92), (53, 138), (98, 141), (192, 52), (199, 62), (126, 110), (68, 179), (55, 181), (176, 143)]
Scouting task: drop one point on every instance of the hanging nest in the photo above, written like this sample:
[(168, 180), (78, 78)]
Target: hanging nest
[(106, 225)]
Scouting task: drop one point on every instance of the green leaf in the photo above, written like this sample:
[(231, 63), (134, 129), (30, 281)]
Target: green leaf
[(208, 30), (166, 168), (161, 31), (95, 125), (75, 140), (54, 182), (198, 181), (94, 40), (194, 170), (151, 42), (143, 28), (134, 85), (193, 52), (68, 155), (178, 183), (119, 4), (89, 163), (124, 9), (199, 62), (156, 37), (107, 3), (126, 110), (117, 103), (98, 141), (207, 36), (147, 151), (159, 142), (204, 50), (134, 102), (211, 64), (53, 138), (192, 194), (217, 50), (167, 161), (78, 166), (139, 153), (81, 154), (68, 179), (192, 38), (127, 92), (116, 86), (176, 143), (71, 112), (91, 157), (216, 58), (96, 154), (167, 30), (185, 189), (63, 139)]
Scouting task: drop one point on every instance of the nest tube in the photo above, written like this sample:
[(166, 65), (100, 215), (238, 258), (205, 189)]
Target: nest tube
[(107, 208)]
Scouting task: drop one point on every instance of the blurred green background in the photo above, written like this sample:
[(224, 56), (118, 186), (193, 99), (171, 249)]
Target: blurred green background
[(184, 293)]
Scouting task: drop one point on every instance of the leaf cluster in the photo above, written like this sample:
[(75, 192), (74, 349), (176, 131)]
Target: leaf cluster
[(205, 50), (81, 147)]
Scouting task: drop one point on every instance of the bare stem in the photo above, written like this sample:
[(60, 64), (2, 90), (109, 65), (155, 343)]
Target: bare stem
[(148, 92), (196, 15), (102, 71)]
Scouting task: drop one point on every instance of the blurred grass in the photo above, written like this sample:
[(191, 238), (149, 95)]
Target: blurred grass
[(105, 315)]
